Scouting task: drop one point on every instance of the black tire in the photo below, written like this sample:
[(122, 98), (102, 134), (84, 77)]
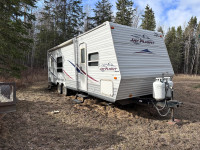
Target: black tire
[(59, 89), (65, 91)]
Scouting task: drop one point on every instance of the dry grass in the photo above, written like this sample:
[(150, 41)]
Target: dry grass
[(197, 86), (97, 125), (28, 77), (184, 77)]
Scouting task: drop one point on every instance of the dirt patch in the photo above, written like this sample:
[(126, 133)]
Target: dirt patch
[(47, 120)]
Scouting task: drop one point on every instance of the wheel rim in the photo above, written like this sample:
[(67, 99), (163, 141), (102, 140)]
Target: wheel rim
[(65, 91), (59, 89)]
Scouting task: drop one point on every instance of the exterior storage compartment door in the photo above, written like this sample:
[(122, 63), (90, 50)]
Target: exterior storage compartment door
[(107, 87)]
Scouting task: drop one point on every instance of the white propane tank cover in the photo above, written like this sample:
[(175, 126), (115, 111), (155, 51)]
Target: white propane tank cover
[(159, 89)]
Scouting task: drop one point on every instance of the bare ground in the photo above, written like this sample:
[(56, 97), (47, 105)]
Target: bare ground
[(97, 125)]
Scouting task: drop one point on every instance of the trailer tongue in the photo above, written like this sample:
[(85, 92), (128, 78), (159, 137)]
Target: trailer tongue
[(162, 100), (163, 95), (169, 105)]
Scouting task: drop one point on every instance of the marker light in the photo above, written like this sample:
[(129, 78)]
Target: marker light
[(112, 27), (115, 78)]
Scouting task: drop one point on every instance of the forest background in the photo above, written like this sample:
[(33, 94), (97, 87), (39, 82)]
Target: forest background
[(28, 28)]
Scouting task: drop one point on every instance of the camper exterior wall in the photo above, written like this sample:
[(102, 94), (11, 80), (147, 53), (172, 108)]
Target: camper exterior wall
[(142, 56), (128, 60), (68, 73), (101, 41), (98, 41)]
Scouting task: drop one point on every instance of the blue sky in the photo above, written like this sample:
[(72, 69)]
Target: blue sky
[(167, 12)]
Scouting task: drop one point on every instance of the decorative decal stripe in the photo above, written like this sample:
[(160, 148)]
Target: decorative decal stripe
[(145, 51), (77, 69), (89, 76), (52, 73), (53, 59), (67, 74), (81, 71)]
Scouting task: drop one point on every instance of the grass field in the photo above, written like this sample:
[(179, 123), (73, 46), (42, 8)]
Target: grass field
[(97, 125)]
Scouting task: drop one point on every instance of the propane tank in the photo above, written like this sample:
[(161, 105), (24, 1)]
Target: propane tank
[(159, 89), (170, 86)]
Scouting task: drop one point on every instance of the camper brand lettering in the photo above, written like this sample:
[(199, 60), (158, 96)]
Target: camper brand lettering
[(107, 67), (138, 39)]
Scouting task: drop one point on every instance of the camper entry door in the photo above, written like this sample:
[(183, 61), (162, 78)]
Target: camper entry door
[(83, 67)]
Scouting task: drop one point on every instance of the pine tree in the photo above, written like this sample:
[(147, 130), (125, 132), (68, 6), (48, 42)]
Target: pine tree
[(102, 12), (172, 47), (69, 14), (160, 29), (197, 67), (175, 45), (148, 21), (125, 12), (47, 36), (180, 48), (75, 18), (59, 22), (14, 40)]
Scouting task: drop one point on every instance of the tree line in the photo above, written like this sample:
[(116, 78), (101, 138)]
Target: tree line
[(27, 31), (183, 46)]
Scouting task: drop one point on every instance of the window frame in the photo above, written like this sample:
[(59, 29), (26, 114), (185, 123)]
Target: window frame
[(93, 61), (59, 68), (83, 49)]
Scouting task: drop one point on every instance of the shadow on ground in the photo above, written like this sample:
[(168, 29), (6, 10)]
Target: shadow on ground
[(188, 111), (35, 127)]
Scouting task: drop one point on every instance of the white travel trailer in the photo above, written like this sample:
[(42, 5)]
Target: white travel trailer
[(112, 62)]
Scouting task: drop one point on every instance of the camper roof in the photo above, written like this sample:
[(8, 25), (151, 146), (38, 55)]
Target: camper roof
[(71, 40)]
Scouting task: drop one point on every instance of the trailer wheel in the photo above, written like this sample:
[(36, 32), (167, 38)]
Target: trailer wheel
[(65, 91), (60, 88)]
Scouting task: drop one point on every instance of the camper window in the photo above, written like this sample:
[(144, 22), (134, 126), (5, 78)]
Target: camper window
[(93, 59), (83, 55), (59, 70), (59, 64)]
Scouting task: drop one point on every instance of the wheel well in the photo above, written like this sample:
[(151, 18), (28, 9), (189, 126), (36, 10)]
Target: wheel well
[(60, 84)]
